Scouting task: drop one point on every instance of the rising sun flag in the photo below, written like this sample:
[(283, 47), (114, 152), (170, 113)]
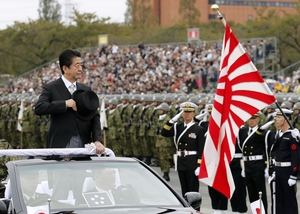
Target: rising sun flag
[(241, 92)]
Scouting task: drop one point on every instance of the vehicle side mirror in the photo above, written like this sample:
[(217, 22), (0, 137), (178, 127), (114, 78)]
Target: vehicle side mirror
[(194, 199), (3, 207)]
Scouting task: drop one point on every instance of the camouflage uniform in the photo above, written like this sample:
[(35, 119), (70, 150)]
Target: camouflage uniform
[(34, 122), (142, 130), (133, 127), (3, 160), (12, 123), (114, 131), (165, 146), (27, 127), (43, 122), (4, 117), (125, 115)]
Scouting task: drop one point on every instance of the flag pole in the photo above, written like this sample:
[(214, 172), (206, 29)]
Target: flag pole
[(215, 8)]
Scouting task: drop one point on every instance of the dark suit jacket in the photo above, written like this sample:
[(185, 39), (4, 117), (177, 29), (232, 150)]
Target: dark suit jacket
[(64, 122)]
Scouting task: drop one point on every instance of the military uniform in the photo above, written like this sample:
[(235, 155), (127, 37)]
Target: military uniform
[(189, 139), (164, 145), (3, 160), (125, 115), (254, 157), (12, 124), (4, 114), (286, 166), (114, 131)]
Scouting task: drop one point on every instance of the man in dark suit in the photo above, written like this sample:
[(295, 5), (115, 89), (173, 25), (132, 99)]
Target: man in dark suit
[(189, 142), (67, 129)]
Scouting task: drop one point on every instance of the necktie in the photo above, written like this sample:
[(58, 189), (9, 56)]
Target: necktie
[(250, 131), (72, 88)]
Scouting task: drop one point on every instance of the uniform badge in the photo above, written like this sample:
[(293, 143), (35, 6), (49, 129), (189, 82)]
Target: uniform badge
[(294, 147), (192, 135)]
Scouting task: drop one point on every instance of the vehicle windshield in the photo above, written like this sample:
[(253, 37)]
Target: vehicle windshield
[(92, 184)]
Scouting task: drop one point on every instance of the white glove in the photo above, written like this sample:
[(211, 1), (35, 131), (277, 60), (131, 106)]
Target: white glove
[(175, 118), (200, 116), (243, 173), (267, 125), (295, 133), (271, 178), (266, 173), (291, 182), (197, 171)]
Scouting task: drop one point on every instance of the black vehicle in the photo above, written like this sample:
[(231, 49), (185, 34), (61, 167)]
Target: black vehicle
[(98, 185)]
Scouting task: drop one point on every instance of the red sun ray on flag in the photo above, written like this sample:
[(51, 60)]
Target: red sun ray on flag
[(241, 92)]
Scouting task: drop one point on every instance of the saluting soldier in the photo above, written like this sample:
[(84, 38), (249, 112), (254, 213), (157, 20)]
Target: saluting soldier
[(286, 165), (3, 160), (164, 145), (142, 126), (125, 115), (151, 125), (4, 114), (189, 141), (12, 122), (114, 125), (254, 157), (296, 115), (133, 126), (27, 127)]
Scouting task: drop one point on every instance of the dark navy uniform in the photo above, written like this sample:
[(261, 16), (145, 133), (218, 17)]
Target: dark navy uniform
[(238, 199), (286, 167), (189, 150), (254, 156)]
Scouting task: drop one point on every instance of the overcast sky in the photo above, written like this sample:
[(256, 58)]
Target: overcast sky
[(23, 10)]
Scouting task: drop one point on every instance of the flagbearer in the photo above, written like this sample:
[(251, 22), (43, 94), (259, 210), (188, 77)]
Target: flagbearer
[(286, 165), (189, 142)]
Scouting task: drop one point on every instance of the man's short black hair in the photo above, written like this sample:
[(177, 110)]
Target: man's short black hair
[(66, 57)]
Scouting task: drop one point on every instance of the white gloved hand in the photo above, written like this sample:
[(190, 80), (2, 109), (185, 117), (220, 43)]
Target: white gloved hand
[(175, 118), (295, 133), (197, 171), (291, 182), (243, 173), (200, 116), (271, 178), (266, 173), (267, 125)]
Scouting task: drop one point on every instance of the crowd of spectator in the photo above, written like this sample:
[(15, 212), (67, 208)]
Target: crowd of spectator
[(184, 68)]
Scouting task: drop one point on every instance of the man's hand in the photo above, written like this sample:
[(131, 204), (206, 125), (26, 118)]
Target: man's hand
[(272, 177), (291, 182), (99, 147), (71, 104), (295, 133), (267, 125), (243, 173), (176, 117), (266, 173), (197, 171)]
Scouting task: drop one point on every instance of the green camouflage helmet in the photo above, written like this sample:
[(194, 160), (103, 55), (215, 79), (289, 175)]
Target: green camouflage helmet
[(194, 99), (125, 97), (157, 98), (4, 99), (12, 99), (182, 99), (113, 101), (272, 106), (163, 106), (169, 98), (286, 104), (27, 100), (296, 106), (136, 97)]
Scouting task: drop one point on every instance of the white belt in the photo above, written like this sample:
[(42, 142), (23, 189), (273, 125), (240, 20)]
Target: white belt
[(185, 153), (283, 164), (238, 155), (253, 158)]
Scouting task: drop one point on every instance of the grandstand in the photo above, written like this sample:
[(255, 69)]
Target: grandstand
[(151, 68)]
